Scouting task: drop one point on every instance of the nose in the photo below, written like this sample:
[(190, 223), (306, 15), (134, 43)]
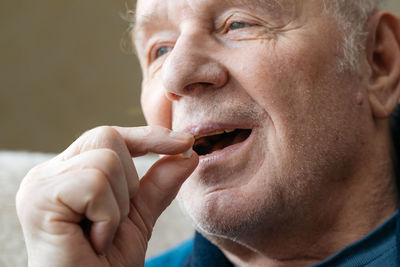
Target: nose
[(192, 66)]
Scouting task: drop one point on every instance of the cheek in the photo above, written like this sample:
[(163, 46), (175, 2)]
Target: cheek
[(156, 107), (300, 90), (289, 79), (271, 81)]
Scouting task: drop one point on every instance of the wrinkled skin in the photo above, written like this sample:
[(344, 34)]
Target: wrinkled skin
[(273, 68), (95, 178), (315, 174)]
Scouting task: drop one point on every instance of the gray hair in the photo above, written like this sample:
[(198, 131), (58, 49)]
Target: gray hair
[(352, 17)]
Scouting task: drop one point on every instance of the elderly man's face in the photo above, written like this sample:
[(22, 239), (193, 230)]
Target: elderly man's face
[(269, 70)]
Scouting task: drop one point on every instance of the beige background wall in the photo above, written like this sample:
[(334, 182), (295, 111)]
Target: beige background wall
[(62, 71)]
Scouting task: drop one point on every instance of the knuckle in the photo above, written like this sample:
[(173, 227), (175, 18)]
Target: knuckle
[(105, 132), (113, 161), (36, 170), (159, 129), (19, 201), (147, 130), (30, 194), (25, 206), (111, 157), (30, 183), (102, 136), (97, 183), (154, 130)]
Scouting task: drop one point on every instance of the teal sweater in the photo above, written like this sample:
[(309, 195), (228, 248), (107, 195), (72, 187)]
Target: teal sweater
[(377, 249)]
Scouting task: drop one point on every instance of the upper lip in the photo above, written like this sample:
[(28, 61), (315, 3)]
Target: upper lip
[(207, 129)]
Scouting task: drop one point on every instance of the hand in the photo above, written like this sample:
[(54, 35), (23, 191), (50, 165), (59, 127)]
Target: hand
[(87, 207)]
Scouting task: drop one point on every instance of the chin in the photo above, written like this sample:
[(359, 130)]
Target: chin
[(225, 213)]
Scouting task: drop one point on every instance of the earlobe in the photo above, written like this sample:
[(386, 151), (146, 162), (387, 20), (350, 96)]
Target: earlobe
[(383, 52)]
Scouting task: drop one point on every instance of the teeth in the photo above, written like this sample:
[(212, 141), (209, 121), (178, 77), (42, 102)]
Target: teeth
[(210, 134), (215, 133)]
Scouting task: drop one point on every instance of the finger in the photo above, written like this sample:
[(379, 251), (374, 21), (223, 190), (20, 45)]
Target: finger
[(105, 137), (108, 162), (160, 185), (88, 192), (156, 139)]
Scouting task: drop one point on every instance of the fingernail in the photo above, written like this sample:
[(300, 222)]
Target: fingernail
[(188, 153), (180, 135)]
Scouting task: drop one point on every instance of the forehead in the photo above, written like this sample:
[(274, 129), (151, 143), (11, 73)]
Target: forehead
[(153, 5), (158, 13), (147, 8)]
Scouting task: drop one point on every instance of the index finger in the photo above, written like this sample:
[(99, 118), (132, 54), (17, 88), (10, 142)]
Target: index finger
[(155, 139)]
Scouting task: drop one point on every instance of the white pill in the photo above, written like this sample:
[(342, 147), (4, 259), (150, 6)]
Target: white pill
[(188, 153)]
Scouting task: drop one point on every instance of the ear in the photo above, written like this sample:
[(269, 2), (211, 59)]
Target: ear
[(383, 52)]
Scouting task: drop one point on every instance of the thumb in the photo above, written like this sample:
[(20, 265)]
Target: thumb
[(161, 184)]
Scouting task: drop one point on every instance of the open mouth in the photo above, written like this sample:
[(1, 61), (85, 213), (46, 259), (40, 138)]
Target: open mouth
[(212, 142)]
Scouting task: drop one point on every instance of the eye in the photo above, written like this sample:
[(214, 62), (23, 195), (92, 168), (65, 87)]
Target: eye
[(236, 25), (162, 51)]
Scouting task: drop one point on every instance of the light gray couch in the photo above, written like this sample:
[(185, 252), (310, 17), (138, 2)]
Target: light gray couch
[(171, 228)]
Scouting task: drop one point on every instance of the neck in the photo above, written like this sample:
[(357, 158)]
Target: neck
[(354, 207)]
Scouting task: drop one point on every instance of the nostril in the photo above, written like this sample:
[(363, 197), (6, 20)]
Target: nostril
[(172, 96), (200, 85), (206, 84)]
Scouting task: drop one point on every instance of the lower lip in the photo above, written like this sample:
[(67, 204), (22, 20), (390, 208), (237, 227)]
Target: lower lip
[(221, 156)]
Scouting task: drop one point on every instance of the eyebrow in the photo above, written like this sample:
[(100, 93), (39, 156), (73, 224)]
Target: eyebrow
[(146, 21), (152, 20)]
